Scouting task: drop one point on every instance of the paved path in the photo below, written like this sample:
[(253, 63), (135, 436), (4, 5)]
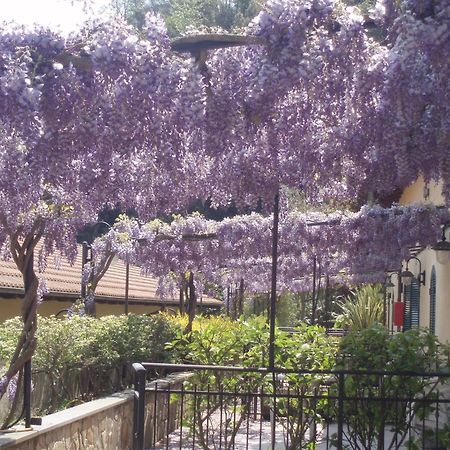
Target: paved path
[(252, 440), (256, 437)]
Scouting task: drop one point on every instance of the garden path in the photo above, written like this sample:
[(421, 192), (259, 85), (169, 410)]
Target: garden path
[(258, 439)]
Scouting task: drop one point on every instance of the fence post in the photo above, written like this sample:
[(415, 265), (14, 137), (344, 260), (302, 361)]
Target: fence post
[(139, 406), (340, 418)]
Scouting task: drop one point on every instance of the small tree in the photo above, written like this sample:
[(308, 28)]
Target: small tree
[(71, 138)]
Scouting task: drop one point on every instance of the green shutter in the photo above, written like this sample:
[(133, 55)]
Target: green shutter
[(412, 305), (433, 301), (415, 303), (407, 300)]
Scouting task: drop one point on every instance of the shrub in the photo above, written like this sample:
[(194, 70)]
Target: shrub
[(361, 310), (379, 402), (83, 357), (220, 341)]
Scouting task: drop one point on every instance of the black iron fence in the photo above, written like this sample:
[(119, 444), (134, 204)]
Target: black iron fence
[(256, 408)]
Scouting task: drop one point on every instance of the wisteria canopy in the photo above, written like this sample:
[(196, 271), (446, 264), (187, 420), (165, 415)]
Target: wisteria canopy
[(348, 247), (108, 115)]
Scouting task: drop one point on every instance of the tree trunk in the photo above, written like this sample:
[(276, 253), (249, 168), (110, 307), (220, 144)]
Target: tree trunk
[(192, 303), (23, 255), (96, 274)]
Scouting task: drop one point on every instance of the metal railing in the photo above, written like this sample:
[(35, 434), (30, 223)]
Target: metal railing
[(257, 408)]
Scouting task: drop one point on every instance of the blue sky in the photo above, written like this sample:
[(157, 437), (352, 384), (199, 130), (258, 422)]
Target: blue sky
[(65, 15)]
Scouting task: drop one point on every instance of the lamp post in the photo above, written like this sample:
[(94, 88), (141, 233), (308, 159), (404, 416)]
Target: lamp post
[(407, 275), (127, 285), (388, 305), (442, 248)]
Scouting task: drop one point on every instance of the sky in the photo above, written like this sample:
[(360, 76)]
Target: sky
[(65, 15)]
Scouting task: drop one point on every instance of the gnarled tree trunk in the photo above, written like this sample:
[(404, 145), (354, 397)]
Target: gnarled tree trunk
[(23, 255)]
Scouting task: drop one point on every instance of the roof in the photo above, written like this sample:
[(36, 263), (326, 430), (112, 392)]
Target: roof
[(64, 283)]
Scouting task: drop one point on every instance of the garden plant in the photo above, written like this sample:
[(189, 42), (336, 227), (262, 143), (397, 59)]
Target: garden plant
[(313, 102)]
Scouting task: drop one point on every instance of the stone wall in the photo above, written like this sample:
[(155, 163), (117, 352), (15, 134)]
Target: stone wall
[(103, 424)]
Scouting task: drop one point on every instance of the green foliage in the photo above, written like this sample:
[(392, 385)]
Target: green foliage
[(375, 349), (363, 309), (221, 341), (181, 15), (307, 348), (84, 357), (84, 341), (213, 340), (9, 332), (384, 400)]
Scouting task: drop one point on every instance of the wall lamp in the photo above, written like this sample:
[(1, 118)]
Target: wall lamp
[(443, 247), (388, 281), (407, 275)]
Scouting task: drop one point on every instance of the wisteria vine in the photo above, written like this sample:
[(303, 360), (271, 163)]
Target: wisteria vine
[(108, 116), (347, 246)]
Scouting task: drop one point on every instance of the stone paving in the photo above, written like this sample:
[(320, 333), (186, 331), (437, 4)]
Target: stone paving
[(257, 438)]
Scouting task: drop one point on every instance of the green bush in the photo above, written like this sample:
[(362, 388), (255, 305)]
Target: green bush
[(220, 341), (84, 357), (362, 309), (84, 341), (380, 402)]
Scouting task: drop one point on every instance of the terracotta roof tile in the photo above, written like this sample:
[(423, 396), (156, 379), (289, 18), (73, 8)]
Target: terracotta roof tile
[(65, 281)]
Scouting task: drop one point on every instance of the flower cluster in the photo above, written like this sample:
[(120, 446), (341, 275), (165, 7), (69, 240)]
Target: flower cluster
[(356, 247)]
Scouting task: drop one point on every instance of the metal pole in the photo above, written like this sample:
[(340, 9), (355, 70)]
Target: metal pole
[(139, 406), (192, 302), (327, 300), (340, 432), (27, 383), (313, 312), (127, 285), (241, 297), (273, 305), (86, 257), (399, 291), (391, 314), (273, 292), (84, 253), (235, 302)]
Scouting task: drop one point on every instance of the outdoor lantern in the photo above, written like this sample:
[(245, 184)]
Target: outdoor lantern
[(407, 276), (399, 313), (388, 283), (443, 248)]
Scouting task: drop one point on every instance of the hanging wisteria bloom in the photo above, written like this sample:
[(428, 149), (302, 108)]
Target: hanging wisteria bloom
[(356, 247)]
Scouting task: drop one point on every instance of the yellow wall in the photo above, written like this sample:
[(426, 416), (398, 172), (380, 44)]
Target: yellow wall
[(415, 194), (10, 307)]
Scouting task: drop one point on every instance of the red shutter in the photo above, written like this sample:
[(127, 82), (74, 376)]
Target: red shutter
[(399, 313)]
